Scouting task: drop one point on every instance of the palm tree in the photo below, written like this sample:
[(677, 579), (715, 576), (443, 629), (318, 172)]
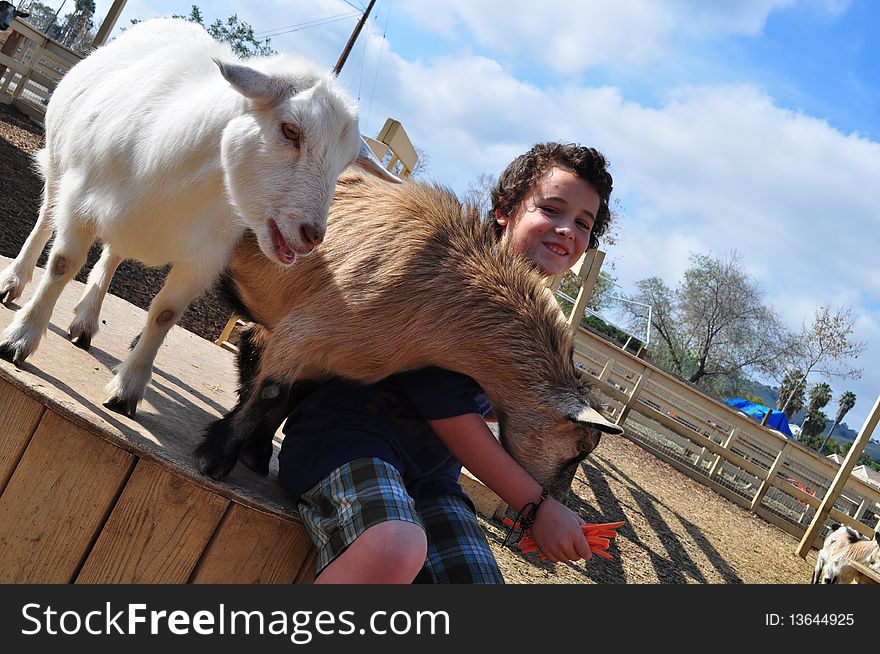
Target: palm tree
[(790, 397), (847, 401), (820, 395)]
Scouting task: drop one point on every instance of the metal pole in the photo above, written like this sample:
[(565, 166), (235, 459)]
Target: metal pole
[(357, 30)]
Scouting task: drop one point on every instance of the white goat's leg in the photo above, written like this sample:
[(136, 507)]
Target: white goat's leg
[(88, 310), (21, 338), (185, 282), (17, 275)]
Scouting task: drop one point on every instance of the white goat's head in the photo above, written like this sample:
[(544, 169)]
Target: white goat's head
[(281, 158)]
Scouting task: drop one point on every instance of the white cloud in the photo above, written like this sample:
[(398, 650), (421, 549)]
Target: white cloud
[(569, 36)]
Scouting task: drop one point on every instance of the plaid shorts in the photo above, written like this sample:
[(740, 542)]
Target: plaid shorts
[(366, 492)]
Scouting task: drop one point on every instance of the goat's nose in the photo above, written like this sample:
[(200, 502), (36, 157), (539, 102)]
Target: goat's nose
[(311, 236)]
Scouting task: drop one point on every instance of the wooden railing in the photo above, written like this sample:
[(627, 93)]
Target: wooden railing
[(756, 467), (31, 65)]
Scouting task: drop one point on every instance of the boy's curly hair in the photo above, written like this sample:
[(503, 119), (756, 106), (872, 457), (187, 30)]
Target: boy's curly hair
[(524, 172)]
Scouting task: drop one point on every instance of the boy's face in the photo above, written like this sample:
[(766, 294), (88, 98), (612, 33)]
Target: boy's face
[(552, 224)]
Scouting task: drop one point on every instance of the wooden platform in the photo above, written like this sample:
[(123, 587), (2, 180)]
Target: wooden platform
[(90, 496)]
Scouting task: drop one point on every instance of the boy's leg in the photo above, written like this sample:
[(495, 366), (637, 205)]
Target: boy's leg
[(390, 552), (364, 525), (458, 552)]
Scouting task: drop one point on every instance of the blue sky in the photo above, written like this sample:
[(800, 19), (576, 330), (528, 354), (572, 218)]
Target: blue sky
[(751, 126)]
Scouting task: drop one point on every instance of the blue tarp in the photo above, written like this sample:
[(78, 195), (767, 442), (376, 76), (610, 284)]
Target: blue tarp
[(777, 420)]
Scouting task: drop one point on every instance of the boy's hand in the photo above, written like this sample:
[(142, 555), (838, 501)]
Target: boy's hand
[(558, 533)]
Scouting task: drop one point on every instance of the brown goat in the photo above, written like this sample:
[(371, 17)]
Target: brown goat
[(406, 278), (842, 546)]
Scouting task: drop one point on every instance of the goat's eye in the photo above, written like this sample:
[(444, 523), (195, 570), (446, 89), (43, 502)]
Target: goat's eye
[(292, 133)]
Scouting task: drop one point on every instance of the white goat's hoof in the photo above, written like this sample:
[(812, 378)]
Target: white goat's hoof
[(9, 353), (11, 288), (81, 334), (17, 344), (125, 406), (123, 395), (82, 341)]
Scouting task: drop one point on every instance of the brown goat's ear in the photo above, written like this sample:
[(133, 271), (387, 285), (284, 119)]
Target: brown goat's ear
[(587, 415)]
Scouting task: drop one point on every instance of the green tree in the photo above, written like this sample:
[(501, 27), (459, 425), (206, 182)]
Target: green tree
[(846, 402), (234, 31), (42, 16), (820, 396), (813, 425), (790, 396), (77, 25)]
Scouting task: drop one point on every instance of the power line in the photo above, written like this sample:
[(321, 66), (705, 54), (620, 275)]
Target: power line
[(378, 61), (305, 25)]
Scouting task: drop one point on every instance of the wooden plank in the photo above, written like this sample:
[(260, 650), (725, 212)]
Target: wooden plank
[(19, 416), (13, 64), (56, 501), (395, 136), (254, 548), (866, 575), (157, 532)]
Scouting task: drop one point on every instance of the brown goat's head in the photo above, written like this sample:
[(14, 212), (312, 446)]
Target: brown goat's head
[(552, 435)]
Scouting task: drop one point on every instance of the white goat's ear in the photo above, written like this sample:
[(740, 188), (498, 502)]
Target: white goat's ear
[(369, 162), (252, 83), (587, 415)]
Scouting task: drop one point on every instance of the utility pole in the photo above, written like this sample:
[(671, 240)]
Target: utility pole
[(357, 30)]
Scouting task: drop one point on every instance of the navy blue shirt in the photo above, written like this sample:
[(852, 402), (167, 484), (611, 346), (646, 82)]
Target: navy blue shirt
[(343, 421)]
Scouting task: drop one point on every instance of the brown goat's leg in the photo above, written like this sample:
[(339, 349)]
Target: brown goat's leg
[(256, 451), (224, 438), (256, 447)]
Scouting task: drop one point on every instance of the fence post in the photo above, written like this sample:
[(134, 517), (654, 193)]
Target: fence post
[(839, 482), (728, 442), (863, 508), (768, 480), (606, 371), (588, 271), (624, 412), (700, 457)]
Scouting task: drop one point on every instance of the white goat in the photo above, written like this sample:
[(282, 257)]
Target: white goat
[(842, 546), (166, 159)]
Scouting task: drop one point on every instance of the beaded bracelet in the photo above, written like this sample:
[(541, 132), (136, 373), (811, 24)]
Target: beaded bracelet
[(525, 518)]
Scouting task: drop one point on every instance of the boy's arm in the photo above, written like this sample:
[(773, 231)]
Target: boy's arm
[(557, 529)]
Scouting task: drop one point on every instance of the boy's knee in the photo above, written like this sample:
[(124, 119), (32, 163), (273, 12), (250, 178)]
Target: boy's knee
[(400, 546)]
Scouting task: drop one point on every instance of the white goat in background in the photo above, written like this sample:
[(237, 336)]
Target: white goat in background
[(842, 546), (166, 159)]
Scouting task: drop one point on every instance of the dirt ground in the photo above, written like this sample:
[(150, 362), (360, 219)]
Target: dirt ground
[(677, 530)]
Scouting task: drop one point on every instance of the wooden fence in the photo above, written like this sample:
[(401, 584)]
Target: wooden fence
[(752, 465), (31, 65)]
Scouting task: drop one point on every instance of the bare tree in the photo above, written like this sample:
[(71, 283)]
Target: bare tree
[(825, 346), (713, 328), (423, 164)]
